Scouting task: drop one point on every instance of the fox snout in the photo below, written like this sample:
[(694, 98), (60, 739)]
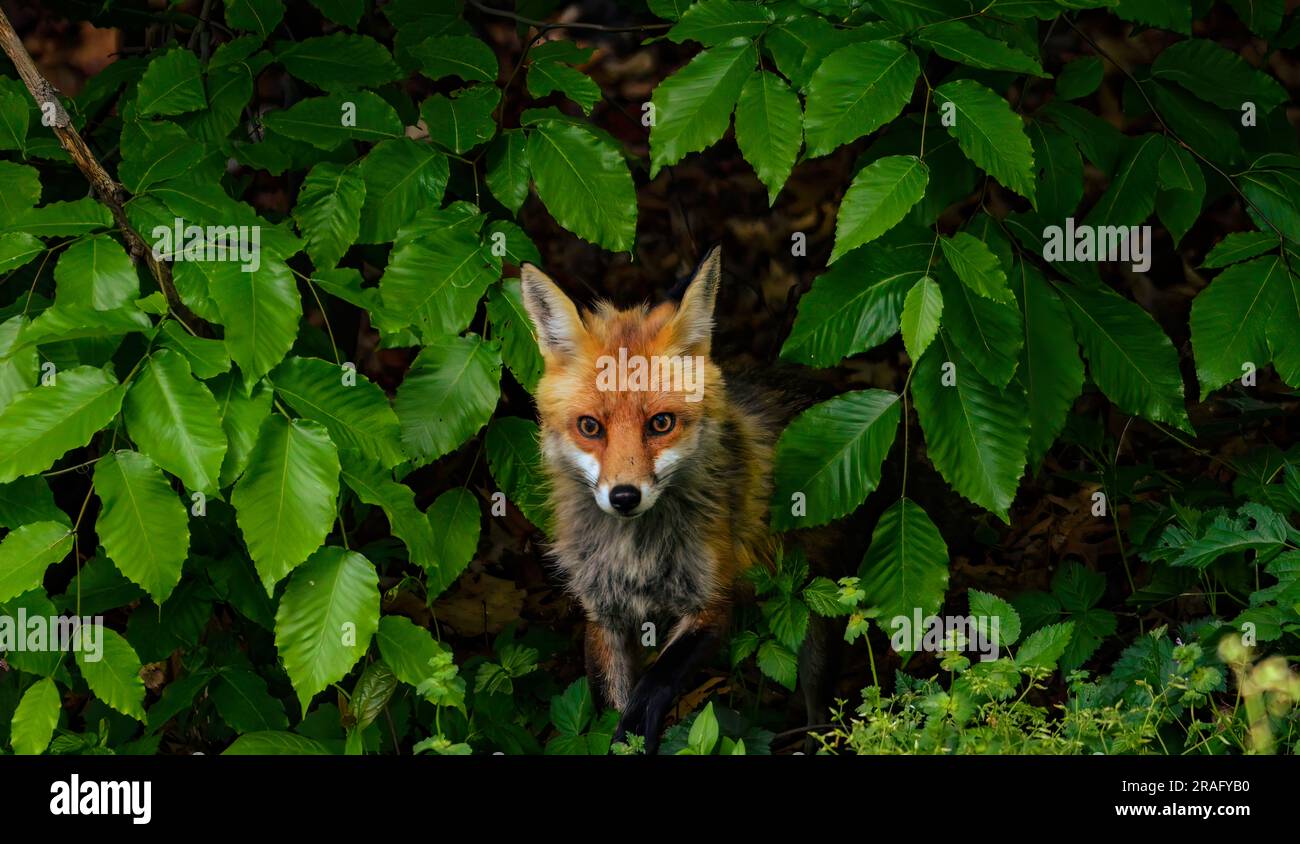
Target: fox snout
[(625, 498)]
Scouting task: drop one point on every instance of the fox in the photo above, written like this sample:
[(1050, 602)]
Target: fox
[(658, 486)]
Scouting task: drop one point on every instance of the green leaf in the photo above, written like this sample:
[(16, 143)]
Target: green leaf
[(1282, 330), (343, 12), (704, 729), (823, 597), (456, 55), (713, 22), (28, 500), (1058, 172), (402, 176), (115, 676), (96, 271), (584, 182), (1079, 77), (78, 322), (514, 456), (206, 358), (977, 266), (1131, 196), (420, 661), (1090, 628), (1207, 129), (18, 249), (244, 702), (1129, 357), (1230, 318), (14, 119), (769, 129), (447, 395), (1262, 17), (778, 662), (260, 16), (329, 612), (670, 9), (1043, 648), (546, 77), (58, 219), (275, 744), (880, 196), (1273, 203), (436, 281), (22, 189), (174, 420), (922, 309), (856, 90), (830, 457), (241, 416), (989, 133), (1157, 13), (142, 525), (507, 169), (988, 333), (464, 120), (27, 552), (353, 409), (35, 718), (40, 425), (976, 435), (326, 122), (510, 322), (328, 211), (856, 304), (455, 519), (906, 565), (1217, 76), (987, 606), (374, 484), (1239, 246), (960, 42), (341, 61), (692, 107), (1050, 369), (573, 710), (167, 153), (260, 311), (285, 502), (172, 84)]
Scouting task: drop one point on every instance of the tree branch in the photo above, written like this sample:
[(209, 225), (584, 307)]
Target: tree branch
[(594, 27), (109, 193)]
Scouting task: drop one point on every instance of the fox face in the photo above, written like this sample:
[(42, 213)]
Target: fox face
[(626, 393)]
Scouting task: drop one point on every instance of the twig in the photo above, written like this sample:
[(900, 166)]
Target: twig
[(1101, 51), (111, 194), (594, 27)]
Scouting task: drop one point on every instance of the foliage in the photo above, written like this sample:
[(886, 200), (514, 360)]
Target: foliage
[(200, 452)]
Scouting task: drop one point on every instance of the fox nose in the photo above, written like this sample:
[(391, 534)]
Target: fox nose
[(624, 498)]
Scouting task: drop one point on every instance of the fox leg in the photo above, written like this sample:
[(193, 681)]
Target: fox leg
[(817, 662), (611, 668), (694, 641)]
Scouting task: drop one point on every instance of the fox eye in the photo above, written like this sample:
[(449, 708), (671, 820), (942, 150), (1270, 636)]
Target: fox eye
[(589, 427), (662, 423)]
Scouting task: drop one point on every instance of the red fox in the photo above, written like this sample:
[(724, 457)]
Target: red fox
[(660, 477)]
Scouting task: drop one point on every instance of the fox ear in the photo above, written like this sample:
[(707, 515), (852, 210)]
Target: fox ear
[(693, 325), (559, 328)]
